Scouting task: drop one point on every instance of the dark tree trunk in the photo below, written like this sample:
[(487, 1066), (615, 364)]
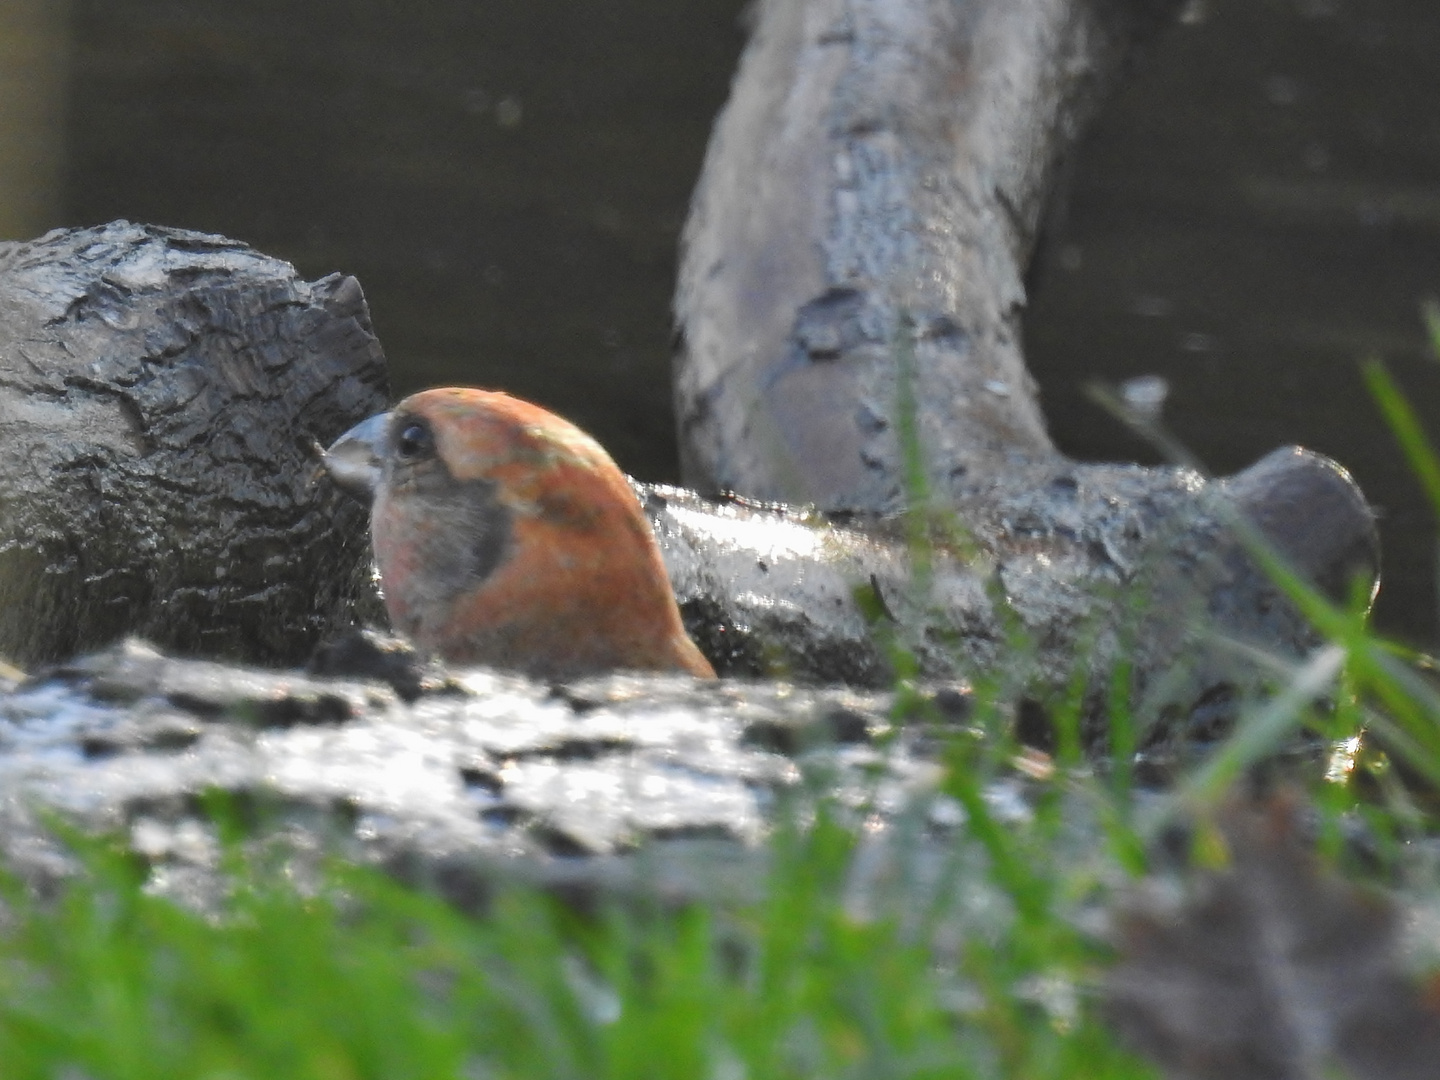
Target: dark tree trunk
[(160, 395)]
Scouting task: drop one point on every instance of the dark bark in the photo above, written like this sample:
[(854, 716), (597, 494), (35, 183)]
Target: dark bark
[(160, 396)]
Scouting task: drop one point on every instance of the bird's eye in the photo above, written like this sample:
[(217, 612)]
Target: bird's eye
[(414, 441)]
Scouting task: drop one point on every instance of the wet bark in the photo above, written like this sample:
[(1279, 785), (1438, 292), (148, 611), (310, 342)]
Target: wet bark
[(1059, 582), (485, 776), (161, 392), (160, 395)]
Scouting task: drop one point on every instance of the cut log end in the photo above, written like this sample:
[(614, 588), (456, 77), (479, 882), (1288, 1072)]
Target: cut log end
[(160, 395)]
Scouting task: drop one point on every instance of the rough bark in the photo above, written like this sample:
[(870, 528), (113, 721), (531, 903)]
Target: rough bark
[(879, 161), (161, 391), (484, 775), (160, 395), (1156, 578), (853, 270)]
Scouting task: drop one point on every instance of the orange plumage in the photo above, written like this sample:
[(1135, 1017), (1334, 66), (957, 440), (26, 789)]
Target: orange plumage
[(505, 535)]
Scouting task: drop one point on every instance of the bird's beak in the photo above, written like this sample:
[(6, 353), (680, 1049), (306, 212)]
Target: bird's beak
[(353, 460)]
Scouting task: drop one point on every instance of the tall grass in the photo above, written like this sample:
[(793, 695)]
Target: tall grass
[(369, 979)]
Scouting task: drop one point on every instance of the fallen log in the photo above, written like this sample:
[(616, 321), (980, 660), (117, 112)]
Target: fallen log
[(161, 392), (478, 775), (849, 315), (1062, 579)]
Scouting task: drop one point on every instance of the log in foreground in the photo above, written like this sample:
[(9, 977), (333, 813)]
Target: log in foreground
[(161, 392), (482, 774)]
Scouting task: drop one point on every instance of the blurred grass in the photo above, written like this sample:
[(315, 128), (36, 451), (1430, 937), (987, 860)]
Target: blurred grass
[(969, 947), (370, 979)]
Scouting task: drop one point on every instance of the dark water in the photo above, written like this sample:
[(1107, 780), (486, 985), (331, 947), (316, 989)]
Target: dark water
[(1257, 212), (508, 179)]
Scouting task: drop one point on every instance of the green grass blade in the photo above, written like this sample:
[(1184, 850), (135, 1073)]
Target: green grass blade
[(1405, 426), (1430, 312), (1257, 735)]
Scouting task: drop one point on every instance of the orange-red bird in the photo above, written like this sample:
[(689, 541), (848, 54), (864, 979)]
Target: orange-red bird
[(505, 535)]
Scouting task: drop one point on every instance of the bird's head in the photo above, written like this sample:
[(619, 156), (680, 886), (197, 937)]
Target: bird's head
[(505, 535)]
